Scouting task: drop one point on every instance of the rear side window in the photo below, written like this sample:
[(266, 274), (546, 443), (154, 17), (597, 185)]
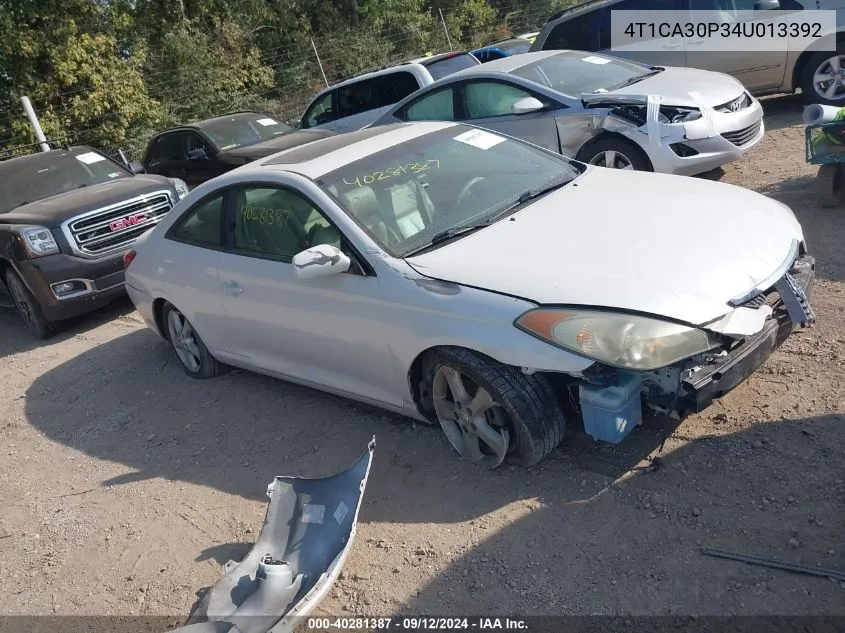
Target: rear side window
[(444, 66), (396, 86), (603, 29), (578, 33), (201, 224)]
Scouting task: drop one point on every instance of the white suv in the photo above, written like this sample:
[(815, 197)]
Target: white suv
[(357, 102)]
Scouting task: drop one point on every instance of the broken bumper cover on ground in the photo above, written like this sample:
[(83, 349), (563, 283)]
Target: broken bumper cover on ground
[(714, 381), (306, 537)]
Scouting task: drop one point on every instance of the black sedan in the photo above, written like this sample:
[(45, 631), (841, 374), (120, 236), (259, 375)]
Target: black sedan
[(200, 151)]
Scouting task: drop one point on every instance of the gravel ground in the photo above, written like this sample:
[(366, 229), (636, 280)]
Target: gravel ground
[(125, 484)]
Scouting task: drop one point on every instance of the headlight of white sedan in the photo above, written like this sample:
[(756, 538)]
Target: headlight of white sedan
[(181, 188), (618, 339)]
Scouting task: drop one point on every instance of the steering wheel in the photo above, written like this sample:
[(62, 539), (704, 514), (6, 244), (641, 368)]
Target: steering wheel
[(467, 190)]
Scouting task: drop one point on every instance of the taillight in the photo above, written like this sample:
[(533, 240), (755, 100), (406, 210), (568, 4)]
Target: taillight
[(128, 258)]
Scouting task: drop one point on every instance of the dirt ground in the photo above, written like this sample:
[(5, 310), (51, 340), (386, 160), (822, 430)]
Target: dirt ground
[(125, 485)]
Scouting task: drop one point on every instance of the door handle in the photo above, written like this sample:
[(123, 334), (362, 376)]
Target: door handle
[(695, 42), (673, 45), (232, 288)]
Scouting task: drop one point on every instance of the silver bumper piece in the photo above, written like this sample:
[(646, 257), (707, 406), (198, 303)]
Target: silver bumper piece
[(306, 537)]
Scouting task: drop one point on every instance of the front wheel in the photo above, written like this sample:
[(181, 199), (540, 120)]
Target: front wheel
[(28, 307), (192, 353), (823, 79), (615, 153), (489, 411)]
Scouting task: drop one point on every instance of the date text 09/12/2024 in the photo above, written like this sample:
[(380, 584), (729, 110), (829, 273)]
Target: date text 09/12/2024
[(417, 623)]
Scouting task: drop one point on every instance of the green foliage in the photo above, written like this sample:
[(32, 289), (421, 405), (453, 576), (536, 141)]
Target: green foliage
[(113, 72)]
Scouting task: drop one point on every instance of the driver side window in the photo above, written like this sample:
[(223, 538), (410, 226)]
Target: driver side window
[(277, 223), (491, 98)]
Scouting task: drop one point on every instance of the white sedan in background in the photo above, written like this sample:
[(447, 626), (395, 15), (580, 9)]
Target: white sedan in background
[(599, 109), (470, 279)]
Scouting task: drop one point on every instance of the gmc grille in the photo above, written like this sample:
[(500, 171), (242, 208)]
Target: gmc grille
[(116, 227), (743, 136)]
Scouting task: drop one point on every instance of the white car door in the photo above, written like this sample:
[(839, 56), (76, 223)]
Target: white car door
[(320, 331)]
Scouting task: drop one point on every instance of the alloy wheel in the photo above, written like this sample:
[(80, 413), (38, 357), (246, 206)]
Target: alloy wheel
[(184, 341), (475, 425), (829, 78), (612, 159)]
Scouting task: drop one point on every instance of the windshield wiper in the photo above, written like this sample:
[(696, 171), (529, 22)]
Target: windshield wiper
[(456, 231), (633, 80)]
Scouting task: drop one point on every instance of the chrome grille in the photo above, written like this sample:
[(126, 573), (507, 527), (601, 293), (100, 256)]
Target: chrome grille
[(743, 136), (116, 227)]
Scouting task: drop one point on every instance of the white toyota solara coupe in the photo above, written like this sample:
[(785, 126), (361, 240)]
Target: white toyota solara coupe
[(470, 279)]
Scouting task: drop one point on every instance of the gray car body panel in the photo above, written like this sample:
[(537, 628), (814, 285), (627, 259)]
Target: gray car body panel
[(307, 534)]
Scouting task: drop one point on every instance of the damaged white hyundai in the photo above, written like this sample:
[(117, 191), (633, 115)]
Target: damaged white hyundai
[(600, 109), (477, 282)]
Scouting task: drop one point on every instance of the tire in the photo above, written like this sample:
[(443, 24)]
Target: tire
[(28, 307), (533, 412), (829, 186), (808, 87), (596, 153), (206, 366)]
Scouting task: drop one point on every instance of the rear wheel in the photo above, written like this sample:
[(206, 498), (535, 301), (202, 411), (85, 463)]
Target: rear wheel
[(491, 411), (28, 307), (192, 353), (615, 153)]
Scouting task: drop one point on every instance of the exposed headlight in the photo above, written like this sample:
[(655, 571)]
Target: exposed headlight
[(181, 187), (670, 114), (621, 340), (38, 241)]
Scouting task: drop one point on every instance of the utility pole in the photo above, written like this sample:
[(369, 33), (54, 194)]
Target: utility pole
[(39, 133), (317, 55), (446, 30)]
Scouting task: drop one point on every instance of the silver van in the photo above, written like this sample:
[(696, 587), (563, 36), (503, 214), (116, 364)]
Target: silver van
[(357, 102)]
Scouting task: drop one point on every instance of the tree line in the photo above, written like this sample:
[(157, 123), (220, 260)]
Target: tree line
[(113, 72)]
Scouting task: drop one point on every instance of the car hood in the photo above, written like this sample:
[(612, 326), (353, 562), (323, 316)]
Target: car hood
[(674, 85), (273, 146), (52, 211), (666, 245)]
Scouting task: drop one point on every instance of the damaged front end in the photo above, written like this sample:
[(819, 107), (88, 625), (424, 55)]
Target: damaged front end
[(612, 400), (303, 544)]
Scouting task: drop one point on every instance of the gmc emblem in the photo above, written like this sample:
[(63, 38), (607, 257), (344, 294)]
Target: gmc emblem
[(128, 221)]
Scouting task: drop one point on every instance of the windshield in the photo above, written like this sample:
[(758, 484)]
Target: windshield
[(241, 130), (573, 72), (47, 174), (447, 65), (405, 195)]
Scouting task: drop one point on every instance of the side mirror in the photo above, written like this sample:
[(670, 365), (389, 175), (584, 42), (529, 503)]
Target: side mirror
[(197, 154), (136, 167), (766, 5), (322, 260), (526, 105)]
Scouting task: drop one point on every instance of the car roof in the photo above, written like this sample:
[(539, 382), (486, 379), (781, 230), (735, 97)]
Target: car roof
[(416, 61), (579, 9), (200, 125), (507, 64), (325, 155), (513, 41)]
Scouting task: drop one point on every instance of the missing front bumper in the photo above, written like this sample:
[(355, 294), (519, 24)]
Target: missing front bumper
[(713, 381)]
